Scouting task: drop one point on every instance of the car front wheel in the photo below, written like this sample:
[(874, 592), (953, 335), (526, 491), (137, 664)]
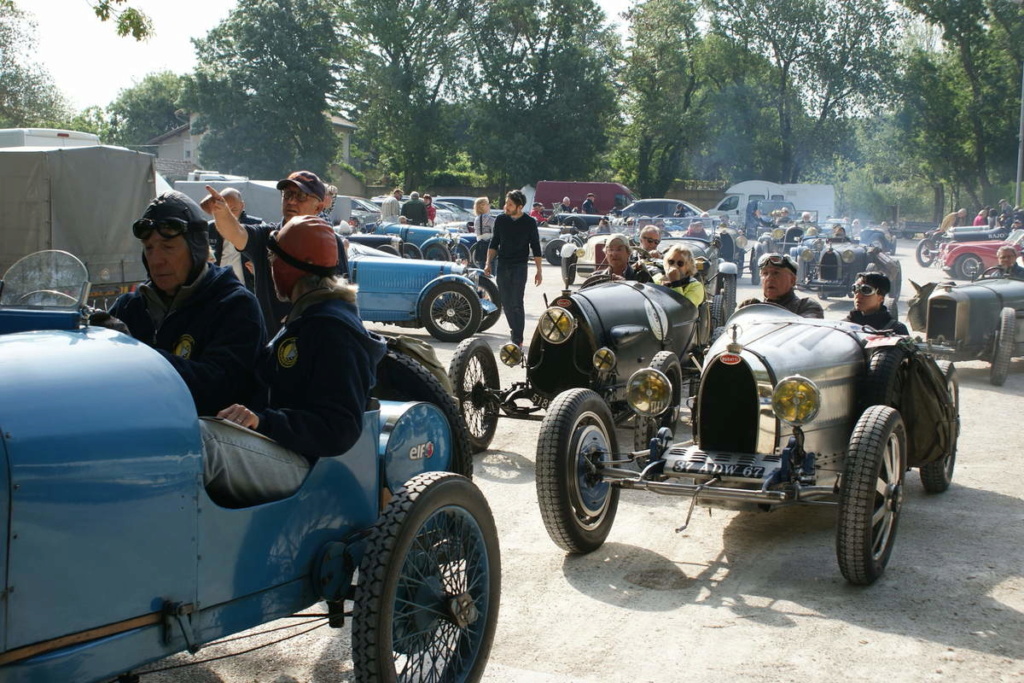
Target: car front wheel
[(474, 376), (937, 476), (1003, 350), (871, 494), (426, 606), (967, 267), (578, 507), (451, 312)]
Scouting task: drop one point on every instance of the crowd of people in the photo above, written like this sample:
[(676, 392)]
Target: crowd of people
[(1002, 215)]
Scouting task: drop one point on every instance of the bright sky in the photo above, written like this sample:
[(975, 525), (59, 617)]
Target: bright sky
[(91, 64)]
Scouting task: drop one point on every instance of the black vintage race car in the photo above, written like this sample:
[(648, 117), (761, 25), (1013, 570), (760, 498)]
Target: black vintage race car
[(597, 337), (975, 321), (829, 266), (789, 411)]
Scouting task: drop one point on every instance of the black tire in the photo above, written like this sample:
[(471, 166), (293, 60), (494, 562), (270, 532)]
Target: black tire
[(478, 253), (896, 278), (461, 253), (474, 376), (401, 377), (926, 252), (437, 252), (883, 383), (388, 249), (871, 494), (1003, 346), (755, 256), (578, 509), (717, 312), (426, 605), (967, 267), (937, 476), (553, 251), (410, 250), (450, 312), (488, 289), (728, 295)]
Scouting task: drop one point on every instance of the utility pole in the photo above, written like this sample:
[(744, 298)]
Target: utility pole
[(1020, 141)]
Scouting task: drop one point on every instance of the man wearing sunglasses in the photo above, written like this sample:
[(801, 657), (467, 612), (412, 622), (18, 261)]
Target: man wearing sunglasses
[(196, 314), (868, 304), (650, 238), (302, 194), (778, 278)]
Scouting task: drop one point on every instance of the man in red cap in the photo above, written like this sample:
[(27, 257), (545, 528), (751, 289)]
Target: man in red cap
[(316, 376), (302, 194)]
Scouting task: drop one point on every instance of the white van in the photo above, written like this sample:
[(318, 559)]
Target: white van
[(804, 196), (46, 137)]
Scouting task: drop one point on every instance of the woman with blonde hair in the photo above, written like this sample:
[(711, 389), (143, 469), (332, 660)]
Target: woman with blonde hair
[(483, 226), (681, 274)]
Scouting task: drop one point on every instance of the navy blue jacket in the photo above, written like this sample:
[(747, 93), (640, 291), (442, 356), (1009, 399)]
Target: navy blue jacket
[(318, 372), (212, 339)]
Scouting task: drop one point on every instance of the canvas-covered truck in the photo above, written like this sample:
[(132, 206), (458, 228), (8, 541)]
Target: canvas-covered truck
[(82, 200)]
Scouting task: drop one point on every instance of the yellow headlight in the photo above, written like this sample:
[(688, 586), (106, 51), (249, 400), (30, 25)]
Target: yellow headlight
[(806, 255), (778, 233), (581, 252), (511, 355), (556, 325), (796, 400), (741, 242), (848, 256), (604, 359), (649, 392)]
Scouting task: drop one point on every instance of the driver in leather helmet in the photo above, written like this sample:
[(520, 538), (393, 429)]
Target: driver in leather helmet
[(778, 278), (316, 375), (196, 314)]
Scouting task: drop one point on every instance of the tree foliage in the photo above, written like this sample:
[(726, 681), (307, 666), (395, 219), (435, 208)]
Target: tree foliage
[(262, 86), (146, 110), (127, 19), (28, 97)]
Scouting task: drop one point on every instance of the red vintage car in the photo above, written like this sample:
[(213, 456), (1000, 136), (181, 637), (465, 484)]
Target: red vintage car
[(968, 260)]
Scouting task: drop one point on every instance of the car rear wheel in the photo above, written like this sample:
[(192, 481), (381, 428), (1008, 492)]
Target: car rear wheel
[(927, 250), (388, 249), (871, 495), (410, 250), (1003, 346), (474, 376), (488, 289), (967, 267), (937, 476), (578, 507), (461, 252), (717, 311), (883, 383), (451, 312), (728, 295), (437, 252), (426, 605)]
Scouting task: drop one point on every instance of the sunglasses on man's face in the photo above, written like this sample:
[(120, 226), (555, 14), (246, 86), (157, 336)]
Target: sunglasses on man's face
[(865, 290), (165, 227), (653, 240), (674, 262)]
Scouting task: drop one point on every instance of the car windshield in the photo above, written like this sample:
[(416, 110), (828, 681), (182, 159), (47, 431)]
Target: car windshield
[(1016, 238), (46, 279)]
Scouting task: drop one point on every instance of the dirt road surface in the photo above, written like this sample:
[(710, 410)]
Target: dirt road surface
[(736, 596)]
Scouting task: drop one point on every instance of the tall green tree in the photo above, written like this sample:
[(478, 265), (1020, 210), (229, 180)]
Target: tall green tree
[(827, 58), (660, 100), (543, 92), (411, 57), (146, 110), (28, 96), (262, 88)]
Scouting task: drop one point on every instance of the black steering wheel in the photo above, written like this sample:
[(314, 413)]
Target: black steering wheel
[(596, 279), (992, 273)]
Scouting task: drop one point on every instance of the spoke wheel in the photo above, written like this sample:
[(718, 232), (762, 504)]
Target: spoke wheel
[(451, 312), (927, 250), (410, 250), (437, 252), (474, 376), (871, 495), (488, 289), (426, 605), (578, 507), (967, 267)]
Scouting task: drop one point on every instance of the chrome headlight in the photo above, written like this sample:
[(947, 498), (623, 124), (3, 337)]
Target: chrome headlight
[(741, 242), (396, 242), (796, 400), (848, 256), (806, 255), (778, 233), (604, 359), (556, 325), (580, 252), (819, 244), (649, 392), (510, 355)]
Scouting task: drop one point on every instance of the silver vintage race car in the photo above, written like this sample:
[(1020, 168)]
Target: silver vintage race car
[(789, 410)]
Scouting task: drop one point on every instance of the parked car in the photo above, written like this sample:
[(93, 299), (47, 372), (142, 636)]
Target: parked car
[(596, 337), (465, 203), (977, 320), (660, 207), (790, 410), (434, 243), (928, 249), (968, 260), (450, 300), (114, 556), (828, 266)]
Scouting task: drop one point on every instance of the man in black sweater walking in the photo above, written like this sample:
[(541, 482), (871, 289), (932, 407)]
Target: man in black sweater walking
[(515, 235)]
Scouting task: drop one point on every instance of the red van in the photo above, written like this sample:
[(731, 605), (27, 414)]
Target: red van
[(608, 197)]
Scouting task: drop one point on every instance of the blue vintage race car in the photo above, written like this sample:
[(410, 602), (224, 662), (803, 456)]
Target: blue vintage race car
[(437, 244), (451, 301), (112, 555)]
